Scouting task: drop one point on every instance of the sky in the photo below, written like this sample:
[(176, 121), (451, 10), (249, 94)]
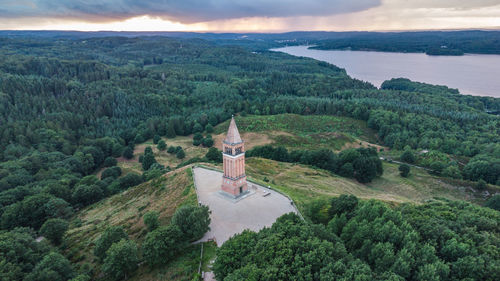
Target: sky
[(248, 15)]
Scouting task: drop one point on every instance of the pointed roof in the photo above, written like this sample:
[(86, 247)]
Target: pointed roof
[(233, 136)]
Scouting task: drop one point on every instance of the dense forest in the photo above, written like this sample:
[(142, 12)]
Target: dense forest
[(367, 240), (70, 106), (449, 43)]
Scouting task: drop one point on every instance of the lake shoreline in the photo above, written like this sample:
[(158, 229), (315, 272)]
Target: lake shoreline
[(471, 74)]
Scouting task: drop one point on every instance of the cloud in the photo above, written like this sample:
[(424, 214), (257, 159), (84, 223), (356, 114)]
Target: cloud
[(185, 11)]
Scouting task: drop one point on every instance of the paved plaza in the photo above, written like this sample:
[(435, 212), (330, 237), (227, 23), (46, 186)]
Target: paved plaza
[(230, 217)]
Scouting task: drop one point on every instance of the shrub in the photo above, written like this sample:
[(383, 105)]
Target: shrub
[(408, 156), (156, 139), (113, 172), (128, 152), (54, 229), (180, 154), (111, 235), (214, 154), (121, 259), (110, 162), (151, 220), (404, 170), (161, 145), (193, 221), (162, 245)]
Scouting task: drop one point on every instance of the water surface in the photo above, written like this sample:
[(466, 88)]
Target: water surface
[(471, 74)]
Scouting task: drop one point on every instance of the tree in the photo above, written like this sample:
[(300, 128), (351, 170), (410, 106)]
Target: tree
[(54, 229), (110, 162), (408, 156), (208, 141), (162, 146), (162, 244), (180, 154), (171, 149), (197, 139), (365, 169), (404, 170), (156, 139), (214, 154), (111, 235), (193, 221), (128, 152), (344, 204), (129, 180), (452, 171), (113, 172), (197, 128), (53, 267), (149, 159), (481, 185), (151, 220), (493, 202), (170, 130), (209, 128), (121, 259)]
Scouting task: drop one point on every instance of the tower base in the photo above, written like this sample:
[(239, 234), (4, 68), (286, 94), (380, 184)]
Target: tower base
[(234, 187)]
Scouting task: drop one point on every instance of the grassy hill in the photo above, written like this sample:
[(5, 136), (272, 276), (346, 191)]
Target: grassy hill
[(304, 183), (304, 132), (164, 195)]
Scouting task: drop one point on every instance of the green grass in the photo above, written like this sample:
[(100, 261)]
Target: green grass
[(306, 132), (164, 195), (303, 184)]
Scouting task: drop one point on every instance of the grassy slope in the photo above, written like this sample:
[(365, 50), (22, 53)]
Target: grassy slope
[(305, 132), (163, 195), (304, 183)]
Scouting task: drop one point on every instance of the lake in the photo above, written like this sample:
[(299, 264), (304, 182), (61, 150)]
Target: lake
[(471, 74)]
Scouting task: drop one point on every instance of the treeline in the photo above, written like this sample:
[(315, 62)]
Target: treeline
[(363, 164), (431, 42), (366, 240)]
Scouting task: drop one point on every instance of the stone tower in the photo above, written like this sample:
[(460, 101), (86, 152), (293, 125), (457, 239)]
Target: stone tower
[(234, 180)]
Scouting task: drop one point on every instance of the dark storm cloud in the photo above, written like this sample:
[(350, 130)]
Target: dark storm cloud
[(180, 10)]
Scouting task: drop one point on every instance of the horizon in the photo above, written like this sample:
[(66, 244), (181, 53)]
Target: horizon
[(245, 16)]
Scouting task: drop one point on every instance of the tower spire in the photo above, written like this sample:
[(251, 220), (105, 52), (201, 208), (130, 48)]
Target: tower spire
[(233, 136)]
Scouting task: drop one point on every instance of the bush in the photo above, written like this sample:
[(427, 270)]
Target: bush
[(128, 152), (208, 142), (129, 180), (110, 162), (404, 170), (151, 220), (481, 185), (54, 229), (162, 245), (180, 154), (111, 235), (53, 267), (493, 202), (113, 172), (149, 159), (214, 154), (171, 149), (121, 259), (161, 145), (156, 139), (193, 221), (196, 142), (408, 156)]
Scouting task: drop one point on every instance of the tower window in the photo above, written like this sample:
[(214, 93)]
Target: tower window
[(229, 150), (238, 150)]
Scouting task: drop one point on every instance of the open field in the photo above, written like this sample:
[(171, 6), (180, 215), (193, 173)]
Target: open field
[(164, 195), (306, 131)]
